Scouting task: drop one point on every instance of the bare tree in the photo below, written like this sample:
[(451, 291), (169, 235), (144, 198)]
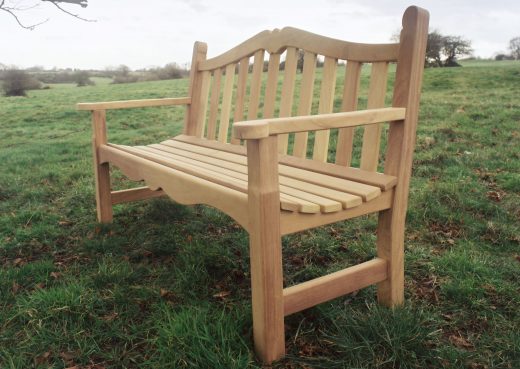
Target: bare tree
[(441, 47), (14, 9), (514, 47), (434, 49), (453, 47)]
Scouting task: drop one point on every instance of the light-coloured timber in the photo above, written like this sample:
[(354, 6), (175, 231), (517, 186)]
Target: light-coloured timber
[(238, 114), (126, 104), (225, 111), (372, 134), (269, 189), (316, 291), (214, 104), (399, 155), (305, 104), (134, 194), (101, 169), (194, 119), (256, 85), (349, 103), (295, 222), (277, 41), (328, 87), (271, 85), (376, 179), (286, 100), (367, 192), (267, 127)]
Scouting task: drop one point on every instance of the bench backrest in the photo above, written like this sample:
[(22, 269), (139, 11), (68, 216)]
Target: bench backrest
[(275, 74)]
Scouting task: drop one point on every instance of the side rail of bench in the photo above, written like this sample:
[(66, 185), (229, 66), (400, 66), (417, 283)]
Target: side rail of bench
[(105, 197)]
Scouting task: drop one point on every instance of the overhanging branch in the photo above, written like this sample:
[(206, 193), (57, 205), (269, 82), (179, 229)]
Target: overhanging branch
[(15, 9)]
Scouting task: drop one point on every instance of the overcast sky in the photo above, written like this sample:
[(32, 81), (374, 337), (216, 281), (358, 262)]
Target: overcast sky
[(151, 33)]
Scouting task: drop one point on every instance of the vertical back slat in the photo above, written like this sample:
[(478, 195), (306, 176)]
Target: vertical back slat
[(225, 109), (328, 84), (349, 103), (372, 133), (194, 120), (238, 115), (272, 84), (213, 106), (286, 101), (305, 104), (204, 95), (256, 84)]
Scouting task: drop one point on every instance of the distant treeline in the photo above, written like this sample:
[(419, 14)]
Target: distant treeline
[(119, 74), (15, 81)]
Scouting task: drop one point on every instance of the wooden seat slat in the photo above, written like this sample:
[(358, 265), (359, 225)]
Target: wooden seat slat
[(296, 189), (366, 192), (240, 171), (383, 181), (291, 199)]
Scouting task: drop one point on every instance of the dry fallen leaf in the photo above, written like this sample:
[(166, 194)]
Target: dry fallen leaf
[(67, 355), (15, 287), (222, 294), (55, 275), (40, 359), (460, 342)]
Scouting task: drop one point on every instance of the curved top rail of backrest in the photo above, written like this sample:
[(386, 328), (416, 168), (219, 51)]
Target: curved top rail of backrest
[(277, 41)]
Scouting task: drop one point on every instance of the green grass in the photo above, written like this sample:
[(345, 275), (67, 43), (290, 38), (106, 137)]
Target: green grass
[(167, 286)]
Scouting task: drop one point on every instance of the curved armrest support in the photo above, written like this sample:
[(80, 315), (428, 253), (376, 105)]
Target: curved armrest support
[(125, 104), (261, 128)]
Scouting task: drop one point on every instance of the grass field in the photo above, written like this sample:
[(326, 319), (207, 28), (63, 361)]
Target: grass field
[(167, 286)]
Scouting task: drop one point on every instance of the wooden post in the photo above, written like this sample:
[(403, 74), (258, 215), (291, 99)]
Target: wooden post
[(401, 143), (265, 248), (193, 120), (101, 170)]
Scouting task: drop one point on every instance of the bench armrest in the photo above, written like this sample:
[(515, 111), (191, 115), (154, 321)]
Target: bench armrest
[(133, 103), (261, 128)]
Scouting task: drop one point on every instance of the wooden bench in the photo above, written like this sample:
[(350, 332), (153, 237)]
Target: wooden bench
[(280, 181)]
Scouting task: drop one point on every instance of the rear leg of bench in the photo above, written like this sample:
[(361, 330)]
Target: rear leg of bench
[(265, 249), (101, 170), (390, 247)]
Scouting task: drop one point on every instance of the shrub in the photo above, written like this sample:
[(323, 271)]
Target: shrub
[(82, 78), (16, 82)]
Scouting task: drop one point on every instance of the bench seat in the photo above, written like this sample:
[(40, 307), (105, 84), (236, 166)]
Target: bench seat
[(304, 187)]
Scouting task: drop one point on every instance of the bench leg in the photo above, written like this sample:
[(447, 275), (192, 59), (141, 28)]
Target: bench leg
[(101, 170), (103, 195), (390, 246), (267, 295), (265, 249)]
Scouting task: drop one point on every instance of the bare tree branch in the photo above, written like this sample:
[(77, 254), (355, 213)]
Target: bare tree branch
[(55, 3), (15, 9), (13, 14)]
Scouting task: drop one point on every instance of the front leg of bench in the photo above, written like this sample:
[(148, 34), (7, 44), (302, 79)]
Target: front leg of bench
[(101, 170), (265, 248)]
